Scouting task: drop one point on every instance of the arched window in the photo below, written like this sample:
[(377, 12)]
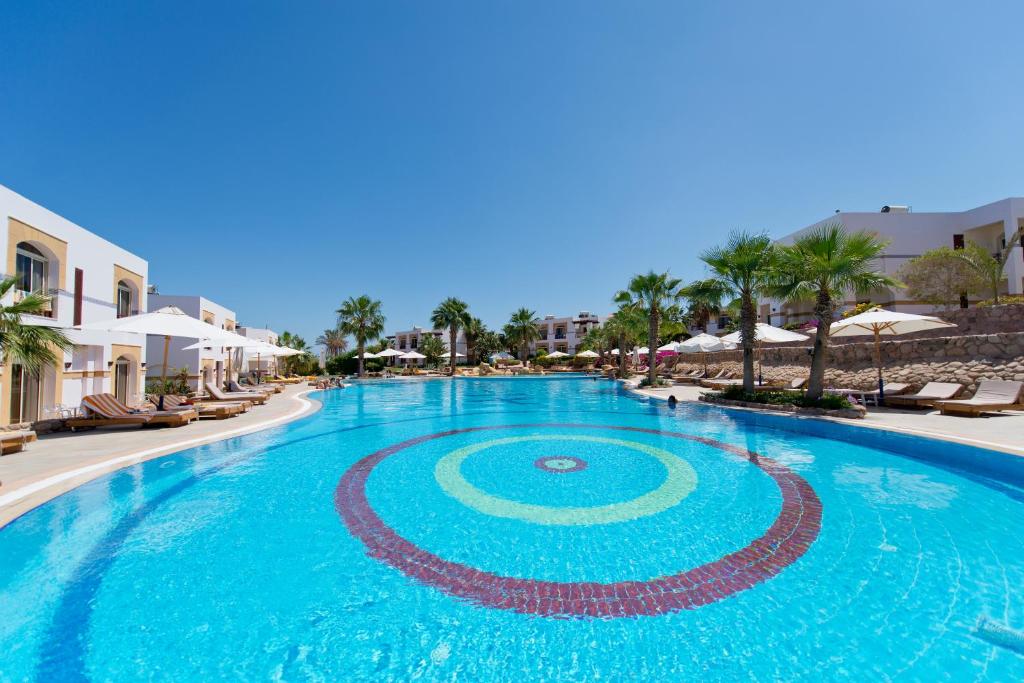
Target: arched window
[(125, 299), (122, 368), (32, 268)]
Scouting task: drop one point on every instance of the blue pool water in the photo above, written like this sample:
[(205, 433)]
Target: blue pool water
[(525, 529)]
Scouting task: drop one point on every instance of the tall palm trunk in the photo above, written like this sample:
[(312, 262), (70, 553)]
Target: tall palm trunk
[(359, 355), (622, 357), (652, 346), (749, 331), (452, 334), (823, 311)]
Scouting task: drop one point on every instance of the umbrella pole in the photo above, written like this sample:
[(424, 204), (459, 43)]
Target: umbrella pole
[(163, 377), (878, 360)]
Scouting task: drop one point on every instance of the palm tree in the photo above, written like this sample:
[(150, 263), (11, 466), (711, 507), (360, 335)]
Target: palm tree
[(362, 318), (624, 328), (705, 303), (473, 330), (433, 349), (30, 346), (294, 341), (453, 314), (333, 341), (740, 270), (597, 340), (822, 266), (521, 331), (489, 342), (987, 267), (654, 294)]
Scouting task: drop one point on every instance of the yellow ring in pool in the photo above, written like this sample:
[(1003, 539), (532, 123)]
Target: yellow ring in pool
[(679, 483)]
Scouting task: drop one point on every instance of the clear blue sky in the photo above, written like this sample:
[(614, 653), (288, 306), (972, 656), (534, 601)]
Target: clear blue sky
[(279, 157)]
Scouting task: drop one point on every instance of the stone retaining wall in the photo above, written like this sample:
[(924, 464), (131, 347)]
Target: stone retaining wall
[(963, 359)]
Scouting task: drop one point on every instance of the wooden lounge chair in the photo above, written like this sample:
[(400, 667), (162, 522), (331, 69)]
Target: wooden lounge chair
[(217, 411), (929, 394), (234, 396), (104, 410), (15, 440), (992, 396), (237, 388), (268, 389), (892, 390)]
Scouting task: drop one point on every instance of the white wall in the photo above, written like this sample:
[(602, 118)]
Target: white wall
[(96, 257)]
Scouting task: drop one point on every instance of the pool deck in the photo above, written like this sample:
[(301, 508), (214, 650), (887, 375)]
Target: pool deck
[(1001, 432), (59, 462)]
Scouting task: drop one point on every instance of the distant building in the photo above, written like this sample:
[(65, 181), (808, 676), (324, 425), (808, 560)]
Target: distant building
[(90, 280), (254, 361), (409, 340), (911, 234), (208, 364), (564, 334)]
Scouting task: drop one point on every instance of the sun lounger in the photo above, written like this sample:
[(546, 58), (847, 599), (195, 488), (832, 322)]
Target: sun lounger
[(264, 388), (217, 411), (892, 390), (15, 440), (104, 410), (237, 388), (929, 394), (992, 396), (258, 398)]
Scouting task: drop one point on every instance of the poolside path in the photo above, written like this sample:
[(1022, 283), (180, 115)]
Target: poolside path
[(1002, 432), (59, 462)]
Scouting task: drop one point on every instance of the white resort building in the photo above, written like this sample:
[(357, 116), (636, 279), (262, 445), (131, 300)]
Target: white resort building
[(204, 364), (90, 280), (409, 340), (257, 362), (910, 234), (564, 334)]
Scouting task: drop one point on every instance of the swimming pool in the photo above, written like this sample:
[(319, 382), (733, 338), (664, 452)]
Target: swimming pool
[(525, 529)]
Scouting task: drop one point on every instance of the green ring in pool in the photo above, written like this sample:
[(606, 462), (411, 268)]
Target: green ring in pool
[(680, 482)]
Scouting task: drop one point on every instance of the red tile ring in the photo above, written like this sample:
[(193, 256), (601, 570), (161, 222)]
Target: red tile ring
[(785, 541)]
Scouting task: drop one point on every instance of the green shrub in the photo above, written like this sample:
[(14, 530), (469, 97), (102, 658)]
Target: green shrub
[(783, 398)]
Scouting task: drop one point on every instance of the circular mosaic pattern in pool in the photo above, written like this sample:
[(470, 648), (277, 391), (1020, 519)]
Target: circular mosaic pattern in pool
[(786, 540), (560, 464), (678, 484)]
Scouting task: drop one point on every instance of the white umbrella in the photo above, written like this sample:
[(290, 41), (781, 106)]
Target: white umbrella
[(671, 346), (557, 354), (587, 354), (765, 333), (501, 355), (879, 321), (614, 352), (368, 354), (229, 340), (169, 321), (388, 353), (643, 351), (704, 343), (412, 355)]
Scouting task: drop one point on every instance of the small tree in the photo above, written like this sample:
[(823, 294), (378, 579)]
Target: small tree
[(433, 348), (940, 277), (451, 314), (362, 318), (521, 330)]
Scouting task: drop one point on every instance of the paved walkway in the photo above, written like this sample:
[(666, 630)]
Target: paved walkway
[(1002, 432), (59, 462)]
